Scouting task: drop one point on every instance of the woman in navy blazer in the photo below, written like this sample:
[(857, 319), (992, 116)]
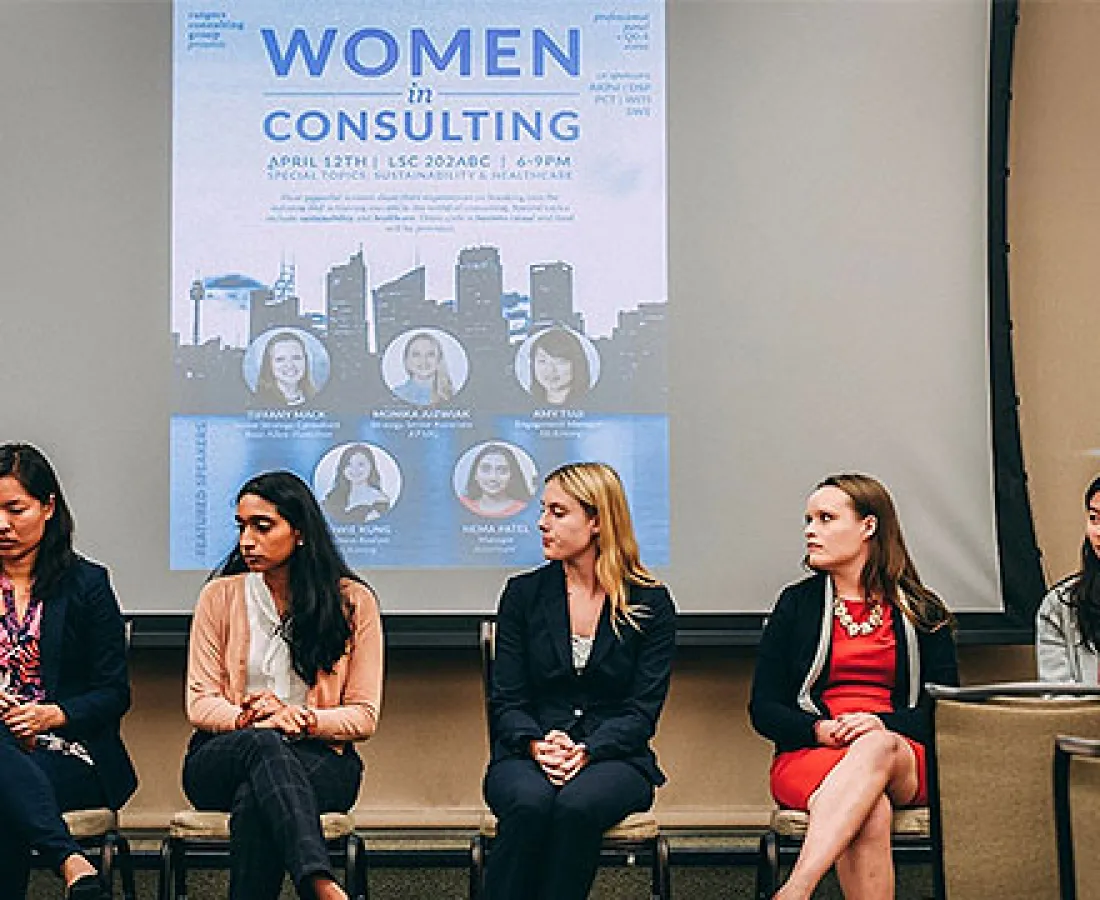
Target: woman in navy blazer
[(65, 685), (583, 658), (840, 682)]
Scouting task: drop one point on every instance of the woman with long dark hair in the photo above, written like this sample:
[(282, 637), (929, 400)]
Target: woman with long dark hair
[(63, 681), (356, 494), (839, 687), (560, 372), (284, 673), (497, 485), (1067, 628)]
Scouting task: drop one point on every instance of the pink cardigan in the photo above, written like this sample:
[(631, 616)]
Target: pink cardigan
[(347, 700)]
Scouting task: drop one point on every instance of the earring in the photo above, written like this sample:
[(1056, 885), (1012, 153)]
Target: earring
[(301, 542)]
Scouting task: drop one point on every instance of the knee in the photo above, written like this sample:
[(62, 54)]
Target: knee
[(261, 742), (528, 805), (880, 749), (573, 810)]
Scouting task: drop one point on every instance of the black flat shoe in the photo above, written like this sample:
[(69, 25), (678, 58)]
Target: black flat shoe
[(87, 887)]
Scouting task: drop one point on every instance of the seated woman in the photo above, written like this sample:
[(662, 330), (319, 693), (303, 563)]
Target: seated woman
[(63, 677), (583, 656), (1067, 628), (496, 486), (839, 687), (284, 672), (356, 494)]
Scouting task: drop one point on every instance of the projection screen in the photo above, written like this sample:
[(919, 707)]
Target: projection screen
[(777, 271)]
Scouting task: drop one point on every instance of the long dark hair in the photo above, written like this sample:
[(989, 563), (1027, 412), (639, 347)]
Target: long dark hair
[(1084, 594), (889, 569), (341, 487), (561, 343), (26, 464), (318, 625), (517, 487)]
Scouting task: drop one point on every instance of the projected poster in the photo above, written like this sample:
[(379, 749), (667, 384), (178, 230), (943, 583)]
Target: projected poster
[(419, 258)]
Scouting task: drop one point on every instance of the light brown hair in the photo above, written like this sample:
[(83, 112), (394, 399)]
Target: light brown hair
[(889, 570)]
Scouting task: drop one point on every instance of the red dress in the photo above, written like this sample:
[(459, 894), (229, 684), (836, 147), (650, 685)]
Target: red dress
[(861, 678)]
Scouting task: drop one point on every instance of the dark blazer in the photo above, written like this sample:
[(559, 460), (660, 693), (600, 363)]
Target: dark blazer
[(83, 650), (787, 655), (612, 706)]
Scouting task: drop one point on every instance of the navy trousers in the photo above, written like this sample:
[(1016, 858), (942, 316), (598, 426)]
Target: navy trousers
[(35, 788), (548, 838), (275, 791)]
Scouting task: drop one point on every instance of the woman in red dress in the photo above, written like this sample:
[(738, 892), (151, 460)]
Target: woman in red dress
[(839, 687)]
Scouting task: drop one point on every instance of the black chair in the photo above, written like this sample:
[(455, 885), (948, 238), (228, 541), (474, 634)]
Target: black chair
[(1077, 816), (636, 836), (96, 830), (201, 840), (909, 833)]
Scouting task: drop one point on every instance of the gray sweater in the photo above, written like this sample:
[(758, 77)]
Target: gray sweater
[(1059, 650)]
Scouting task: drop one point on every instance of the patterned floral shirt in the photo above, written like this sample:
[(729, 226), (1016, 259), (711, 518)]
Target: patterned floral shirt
[(20, 658)]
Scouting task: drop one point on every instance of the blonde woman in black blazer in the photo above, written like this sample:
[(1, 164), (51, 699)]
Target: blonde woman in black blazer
[(583, 659)]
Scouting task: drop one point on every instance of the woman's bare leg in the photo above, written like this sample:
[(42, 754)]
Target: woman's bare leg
[(76, 866), (866, 869), (878, 763)]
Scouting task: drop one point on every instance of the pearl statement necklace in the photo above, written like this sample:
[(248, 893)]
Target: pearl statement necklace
[(854, 628)]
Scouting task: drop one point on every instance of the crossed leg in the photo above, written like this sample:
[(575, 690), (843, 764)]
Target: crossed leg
[(850, 817)]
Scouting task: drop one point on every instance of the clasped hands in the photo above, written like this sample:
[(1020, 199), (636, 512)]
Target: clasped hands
[(263, 709), (559, 757), (845, 728), (28, 720)]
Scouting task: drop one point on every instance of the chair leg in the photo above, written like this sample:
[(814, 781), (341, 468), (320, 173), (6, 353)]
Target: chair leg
[(164, 880), (179, 869), (662, 871), (355, 880), (126, 869), (478, 848), (107, 860), (767, 866), (362, 868)]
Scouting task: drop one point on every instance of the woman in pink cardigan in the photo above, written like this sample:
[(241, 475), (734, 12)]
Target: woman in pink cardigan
[(284, 673)]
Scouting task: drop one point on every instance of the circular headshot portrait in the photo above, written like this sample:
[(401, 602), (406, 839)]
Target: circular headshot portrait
[(495, 479), (557, 366), (357, 483), (425, 366), (286, 367)]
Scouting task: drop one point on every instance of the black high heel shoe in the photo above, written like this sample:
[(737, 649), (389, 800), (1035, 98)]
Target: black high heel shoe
[(87, 887)]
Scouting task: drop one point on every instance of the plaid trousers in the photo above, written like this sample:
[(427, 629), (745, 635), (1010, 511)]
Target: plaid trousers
[(275, 791)]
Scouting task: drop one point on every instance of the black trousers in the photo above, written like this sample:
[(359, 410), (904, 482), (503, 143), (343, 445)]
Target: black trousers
[(275, 791), (35, 788), (548, 838)]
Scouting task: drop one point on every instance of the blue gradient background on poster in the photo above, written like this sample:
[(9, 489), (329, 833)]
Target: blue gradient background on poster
[(427, 526)]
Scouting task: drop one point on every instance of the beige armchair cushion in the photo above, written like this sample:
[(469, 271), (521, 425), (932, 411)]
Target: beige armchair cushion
[(87, 823), (214, 826), (912, 822), (635, 827)]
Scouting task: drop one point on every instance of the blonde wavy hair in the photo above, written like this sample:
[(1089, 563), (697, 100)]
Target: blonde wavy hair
[(598, 489)]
